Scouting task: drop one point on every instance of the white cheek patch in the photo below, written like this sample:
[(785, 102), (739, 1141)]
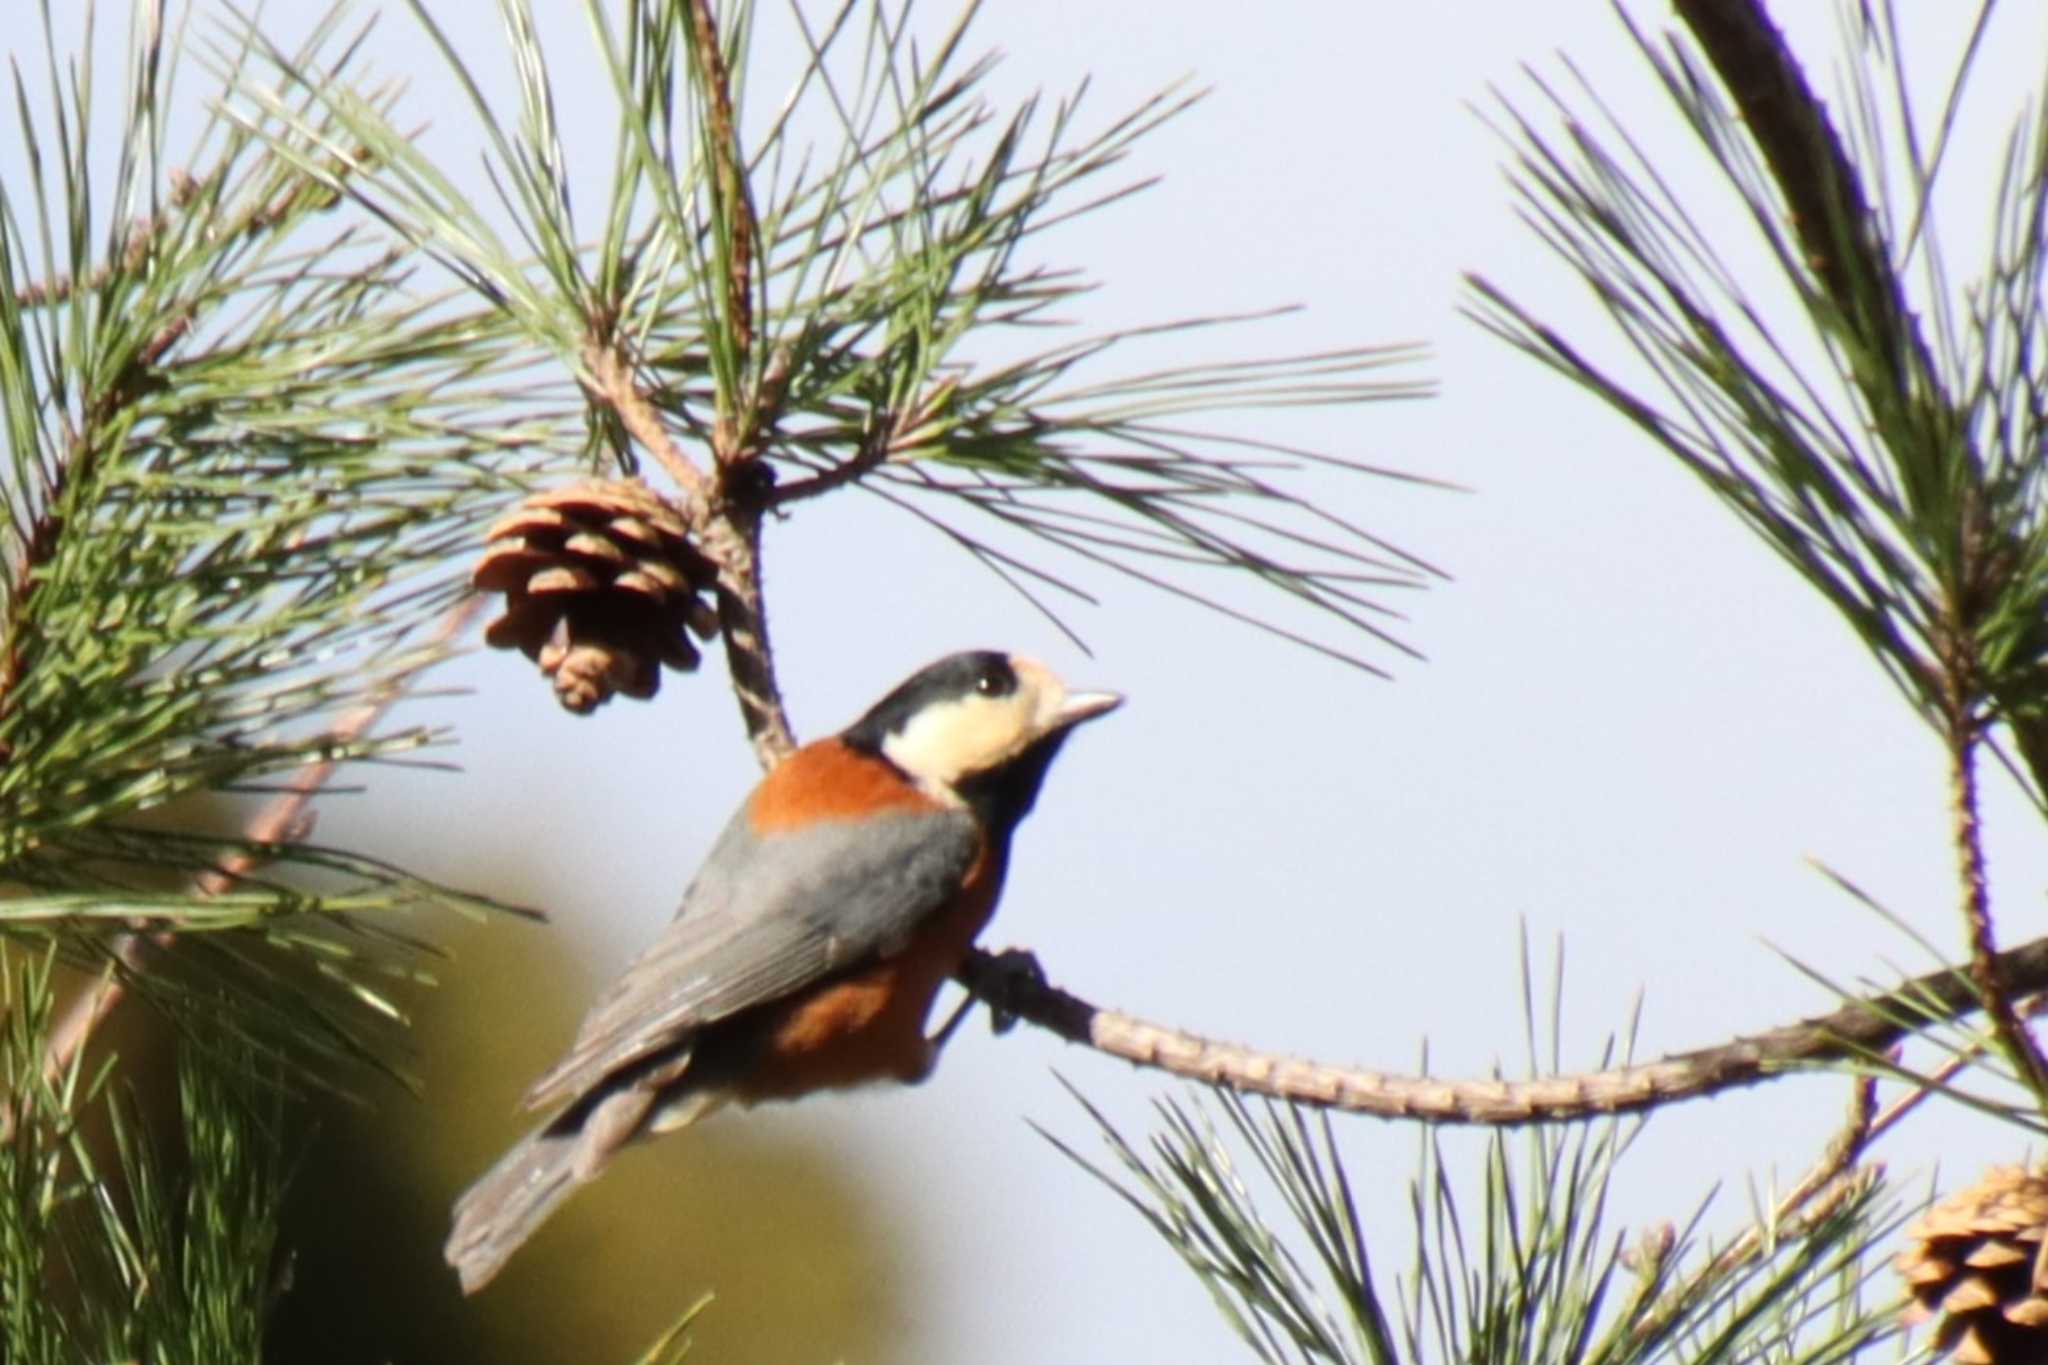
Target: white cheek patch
[(946, 741)]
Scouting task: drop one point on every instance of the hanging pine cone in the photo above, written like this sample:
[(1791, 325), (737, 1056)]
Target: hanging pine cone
[(601, 583), (1975, 1260)]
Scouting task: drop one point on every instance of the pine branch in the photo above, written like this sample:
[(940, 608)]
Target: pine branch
[(1901, 475), (1832, 217), (167, 1254), (239, 451), (1898, 473), (286, 820), (812, 324), (1857, 1031)]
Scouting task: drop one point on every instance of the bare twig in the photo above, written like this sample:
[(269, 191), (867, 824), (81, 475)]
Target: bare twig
[(1928, 1085), (747, 410), (733, 542), (1850, 1141), (610, 380), (1861, 1028), (284, 819), (1832, 1178), (873, 450), (887, 440), (728, 532), (2014, 1037)]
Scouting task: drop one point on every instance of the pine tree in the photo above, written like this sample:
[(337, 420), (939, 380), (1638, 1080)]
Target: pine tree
[(284, 407)]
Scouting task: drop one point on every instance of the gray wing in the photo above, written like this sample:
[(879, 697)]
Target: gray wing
[(766, 915)]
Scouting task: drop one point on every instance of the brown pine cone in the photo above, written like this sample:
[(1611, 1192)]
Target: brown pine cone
[(602, 587), (1975, 1261)]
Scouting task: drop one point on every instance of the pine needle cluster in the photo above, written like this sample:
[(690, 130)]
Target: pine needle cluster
[(1875, 416)]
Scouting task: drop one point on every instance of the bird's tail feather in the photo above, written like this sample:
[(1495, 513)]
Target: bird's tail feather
[(512, 1199)]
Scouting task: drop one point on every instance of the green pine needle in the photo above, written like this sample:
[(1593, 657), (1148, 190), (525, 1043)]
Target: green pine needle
[(164, 1251), (673, 1346)]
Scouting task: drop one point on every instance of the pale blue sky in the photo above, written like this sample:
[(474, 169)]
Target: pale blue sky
[(1633, 730)]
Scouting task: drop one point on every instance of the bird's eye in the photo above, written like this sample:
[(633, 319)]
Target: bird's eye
[(994, 681)]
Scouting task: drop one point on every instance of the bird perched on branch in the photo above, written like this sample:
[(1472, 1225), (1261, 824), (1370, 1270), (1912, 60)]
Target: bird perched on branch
[(808, 950)]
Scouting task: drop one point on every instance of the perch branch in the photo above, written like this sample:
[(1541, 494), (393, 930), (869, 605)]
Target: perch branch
[(1861, 1028)]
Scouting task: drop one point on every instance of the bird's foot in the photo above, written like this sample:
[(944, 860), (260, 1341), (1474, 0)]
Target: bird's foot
[(1004, 980)]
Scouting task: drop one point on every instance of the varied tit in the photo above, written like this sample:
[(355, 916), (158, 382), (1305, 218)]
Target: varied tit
[(807, 953)]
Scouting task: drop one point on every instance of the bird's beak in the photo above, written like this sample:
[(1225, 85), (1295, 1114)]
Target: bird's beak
[(1084, 706)]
